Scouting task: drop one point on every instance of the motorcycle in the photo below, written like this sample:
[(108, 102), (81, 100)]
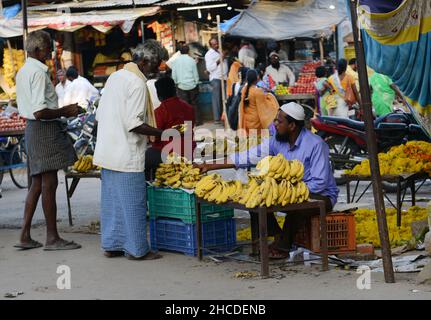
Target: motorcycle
[(347, 138), (82, 130)]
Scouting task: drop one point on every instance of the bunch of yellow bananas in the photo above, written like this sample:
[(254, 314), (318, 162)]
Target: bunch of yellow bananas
[(213, 188), (13, 60), (177, 172), (268, 192), (279, 168), (412, 157), (258, 192), (367, 230), (85, 164)]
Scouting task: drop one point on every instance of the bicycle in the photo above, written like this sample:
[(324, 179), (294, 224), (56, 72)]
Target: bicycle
[(13, 158)]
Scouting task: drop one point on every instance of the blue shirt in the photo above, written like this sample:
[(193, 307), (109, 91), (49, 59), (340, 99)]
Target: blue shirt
[(185, 72), (310, 149)]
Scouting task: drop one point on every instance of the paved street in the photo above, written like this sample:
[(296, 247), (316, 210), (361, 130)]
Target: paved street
[(176, 276)]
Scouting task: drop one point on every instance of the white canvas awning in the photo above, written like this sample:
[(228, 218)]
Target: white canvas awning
[(286, 20), (100, 20)]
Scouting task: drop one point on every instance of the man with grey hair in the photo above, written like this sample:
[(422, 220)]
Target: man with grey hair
[(125, 120), (48, 147)]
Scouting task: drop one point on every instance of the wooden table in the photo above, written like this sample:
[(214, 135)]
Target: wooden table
[(16, 133), (263, 228), (76, 176), (409, 181)]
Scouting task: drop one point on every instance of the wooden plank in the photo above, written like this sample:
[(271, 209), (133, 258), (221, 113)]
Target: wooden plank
[(295, 96)]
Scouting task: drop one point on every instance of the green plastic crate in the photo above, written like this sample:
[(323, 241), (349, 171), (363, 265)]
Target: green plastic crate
[(178, 204)]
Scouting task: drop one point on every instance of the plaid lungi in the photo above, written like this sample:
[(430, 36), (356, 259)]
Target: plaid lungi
[(123, 212)]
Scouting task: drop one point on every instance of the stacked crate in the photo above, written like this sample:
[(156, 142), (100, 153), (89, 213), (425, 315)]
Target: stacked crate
[(173, 223)]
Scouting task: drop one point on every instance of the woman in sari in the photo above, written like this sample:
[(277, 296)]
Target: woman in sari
[(233, 76), (346, 92), (257, 109)]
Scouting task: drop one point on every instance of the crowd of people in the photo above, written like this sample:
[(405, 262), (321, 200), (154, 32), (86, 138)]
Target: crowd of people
[(338, 90)]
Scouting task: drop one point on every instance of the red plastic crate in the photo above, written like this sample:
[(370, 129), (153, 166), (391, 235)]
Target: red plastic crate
[(341, 233)]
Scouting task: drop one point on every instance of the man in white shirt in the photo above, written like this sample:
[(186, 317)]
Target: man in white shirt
[(80, 91), (47, 145), (61, 87), (125, 120), (247, 54), (278, 72), (213, 64)]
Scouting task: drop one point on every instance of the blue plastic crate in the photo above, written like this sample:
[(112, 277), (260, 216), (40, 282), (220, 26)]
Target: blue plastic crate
[(175, 235)]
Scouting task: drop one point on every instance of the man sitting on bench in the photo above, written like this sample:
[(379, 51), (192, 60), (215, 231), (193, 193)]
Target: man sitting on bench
[(293, 141)]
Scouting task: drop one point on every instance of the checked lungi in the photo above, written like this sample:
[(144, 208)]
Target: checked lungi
[(48, 147), (123, 212)]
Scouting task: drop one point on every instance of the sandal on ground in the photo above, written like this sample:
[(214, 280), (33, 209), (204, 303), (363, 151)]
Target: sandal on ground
[(32, 244), (149, 256), (62, 245), (113, 254), (277, 254)]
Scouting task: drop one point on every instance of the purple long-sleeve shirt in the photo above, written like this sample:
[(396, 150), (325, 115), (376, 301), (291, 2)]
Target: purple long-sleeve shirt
[(310, 149)]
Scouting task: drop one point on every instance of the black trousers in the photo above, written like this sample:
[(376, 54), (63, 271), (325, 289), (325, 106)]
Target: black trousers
[(153, 157), (191, 97), (292, 223)]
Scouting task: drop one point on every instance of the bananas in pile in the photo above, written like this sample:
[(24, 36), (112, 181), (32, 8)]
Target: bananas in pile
[(85, 164), (279, 168), (213, 188), (267, 192), (278, 182), (177, 172), (412, 157), (12, 62)]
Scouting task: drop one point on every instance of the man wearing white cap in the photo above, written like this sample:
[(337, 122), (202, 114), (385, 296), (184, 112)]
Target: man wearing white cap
[(293, 141), (280, 73)]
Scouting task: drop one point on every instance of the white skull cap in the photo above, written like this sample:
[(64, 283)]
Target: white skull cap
[(296, 111)]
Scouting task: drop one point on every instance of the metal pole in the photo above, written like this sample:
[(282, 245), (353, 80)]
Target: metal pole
[(372, 148), (223, 93), (24, 23), (337, 54)]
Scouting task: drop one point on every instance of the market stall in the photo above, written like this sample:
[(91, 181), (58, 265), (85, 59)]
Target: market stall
[(407, 166), (289, 20), (192, 212)]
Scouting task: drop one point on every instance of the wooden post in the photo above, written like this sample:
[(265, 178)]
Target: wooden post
[(223, 89), (322, 53), (372, 148), (24, 24)]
